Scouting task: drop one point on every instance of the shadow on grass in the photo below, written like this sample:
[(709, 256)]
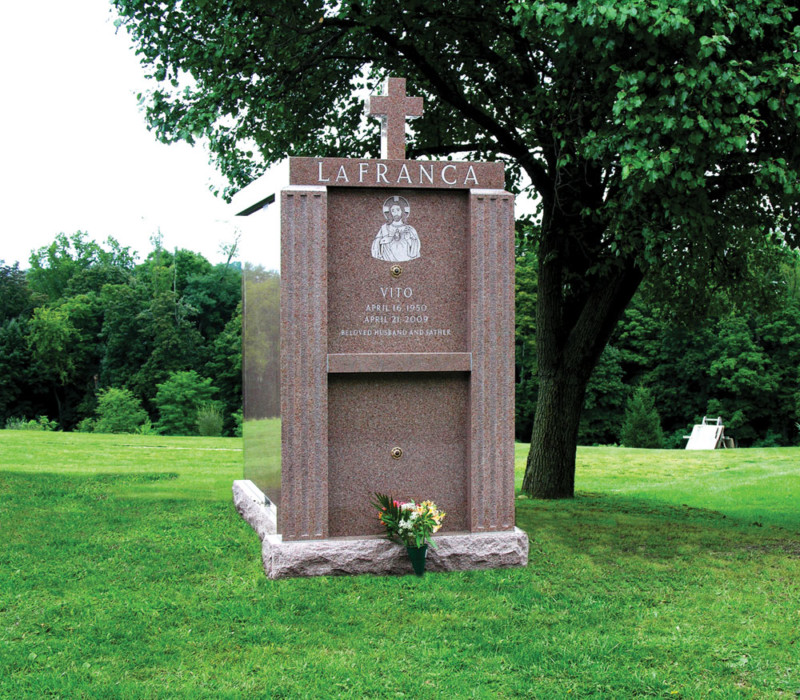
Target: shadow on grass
[(608, 527)]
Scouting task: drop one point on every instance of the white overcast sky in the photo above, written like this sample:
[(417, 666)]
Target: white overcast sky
[(76, 154)]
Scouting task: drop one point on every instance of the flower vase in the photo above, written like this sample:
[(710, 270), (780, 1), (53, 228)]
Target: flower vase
[(417, 556)]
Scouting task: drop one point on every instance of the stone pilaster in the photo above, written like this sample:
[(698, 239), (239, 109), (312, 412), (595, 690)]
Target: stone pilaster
[(491, 336), (304, 389)]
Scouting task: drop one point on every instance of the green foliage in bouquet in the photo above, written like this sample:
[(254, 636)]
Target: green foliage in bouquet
[(409, 523)]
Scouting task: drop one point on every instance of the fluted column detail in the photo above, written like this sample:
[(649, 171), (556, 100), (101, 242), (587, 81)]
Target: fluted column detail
[(304, 390), (491, 442)]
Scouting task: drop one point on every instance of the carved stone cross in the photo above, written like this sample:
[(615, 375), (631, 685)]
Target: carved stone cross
[(393, 109)]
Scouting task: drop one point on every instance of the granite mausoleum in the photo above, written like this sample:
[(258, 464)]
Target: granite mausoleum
[(396, 365)]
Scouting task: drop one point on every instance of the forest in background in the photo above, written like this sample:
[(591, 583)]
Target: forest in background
[(93, 339), (160, 339), (729, 359)]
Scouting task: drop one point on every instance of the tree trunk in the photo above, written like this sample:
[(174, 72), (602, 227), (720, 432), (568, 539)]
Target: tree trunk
[(550, 469), (60, 409), (572, 329)]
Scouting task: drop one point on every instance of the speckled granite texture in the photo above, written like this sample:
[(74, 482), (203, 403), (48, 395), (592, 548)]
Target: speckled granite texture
[(397, 359), (491, 293), (426, 416), (251, 503), (371, 555), (346, 172), (425, 308), (363, 555), (393, 108), (303, 510)]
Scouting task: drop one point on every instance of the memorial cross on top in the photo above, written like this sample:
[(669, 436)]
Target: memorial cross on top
[(393, 109)]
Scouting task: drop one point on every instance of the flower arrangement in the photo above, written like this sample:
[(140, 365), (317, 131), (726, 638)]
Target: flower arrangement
[(410, 523)]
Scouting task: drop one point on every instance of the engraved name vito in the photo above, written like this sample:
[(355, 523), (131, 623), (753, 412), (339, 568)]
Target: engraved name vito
[(396, 241)]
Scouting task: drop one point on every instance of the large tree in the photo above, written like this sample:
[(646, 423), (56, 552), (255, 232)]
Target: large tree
[(74, 265), (660, 136)]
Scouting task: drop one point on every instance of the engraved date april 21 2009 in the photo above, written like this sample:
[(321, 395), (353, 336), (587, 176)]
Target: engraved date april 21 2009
[(396, 313)]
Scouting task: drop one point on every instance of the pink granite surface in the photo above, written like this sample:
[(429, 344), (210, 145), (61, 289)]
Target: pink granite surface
[(422, 310), (377, 556), (401, 362), (393, 108), (303, 512), (251, 504), (371, 555), (426, 415), (491, 293), (394, 335), (348, 398), (415, 352)]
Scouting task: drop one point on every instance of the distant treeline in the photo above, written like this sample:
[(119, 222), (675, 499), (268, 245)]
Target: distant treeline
[(91, 339), (86, 318), (738, 361)]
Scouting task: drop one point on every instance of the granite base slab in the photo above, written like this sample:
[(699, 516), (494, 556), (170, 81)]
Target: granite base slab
[(255, 508), (372, 555)]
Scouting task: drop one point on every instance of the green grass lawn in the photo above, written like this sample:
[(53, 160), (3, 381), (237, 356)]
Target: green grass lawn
[(125, 572), (759, 485)]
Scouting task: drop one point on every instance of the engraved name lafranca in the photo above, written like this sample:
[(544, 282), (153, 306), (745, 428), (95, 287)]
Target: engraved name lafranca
[(369, 172)]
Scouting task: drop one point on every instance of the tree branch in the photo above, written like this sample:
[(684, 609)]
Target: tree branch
[(506, 141)]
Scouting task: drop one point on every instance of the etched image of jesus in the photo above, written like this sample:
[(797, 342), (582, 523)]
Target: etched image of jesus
[(396, 241)]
